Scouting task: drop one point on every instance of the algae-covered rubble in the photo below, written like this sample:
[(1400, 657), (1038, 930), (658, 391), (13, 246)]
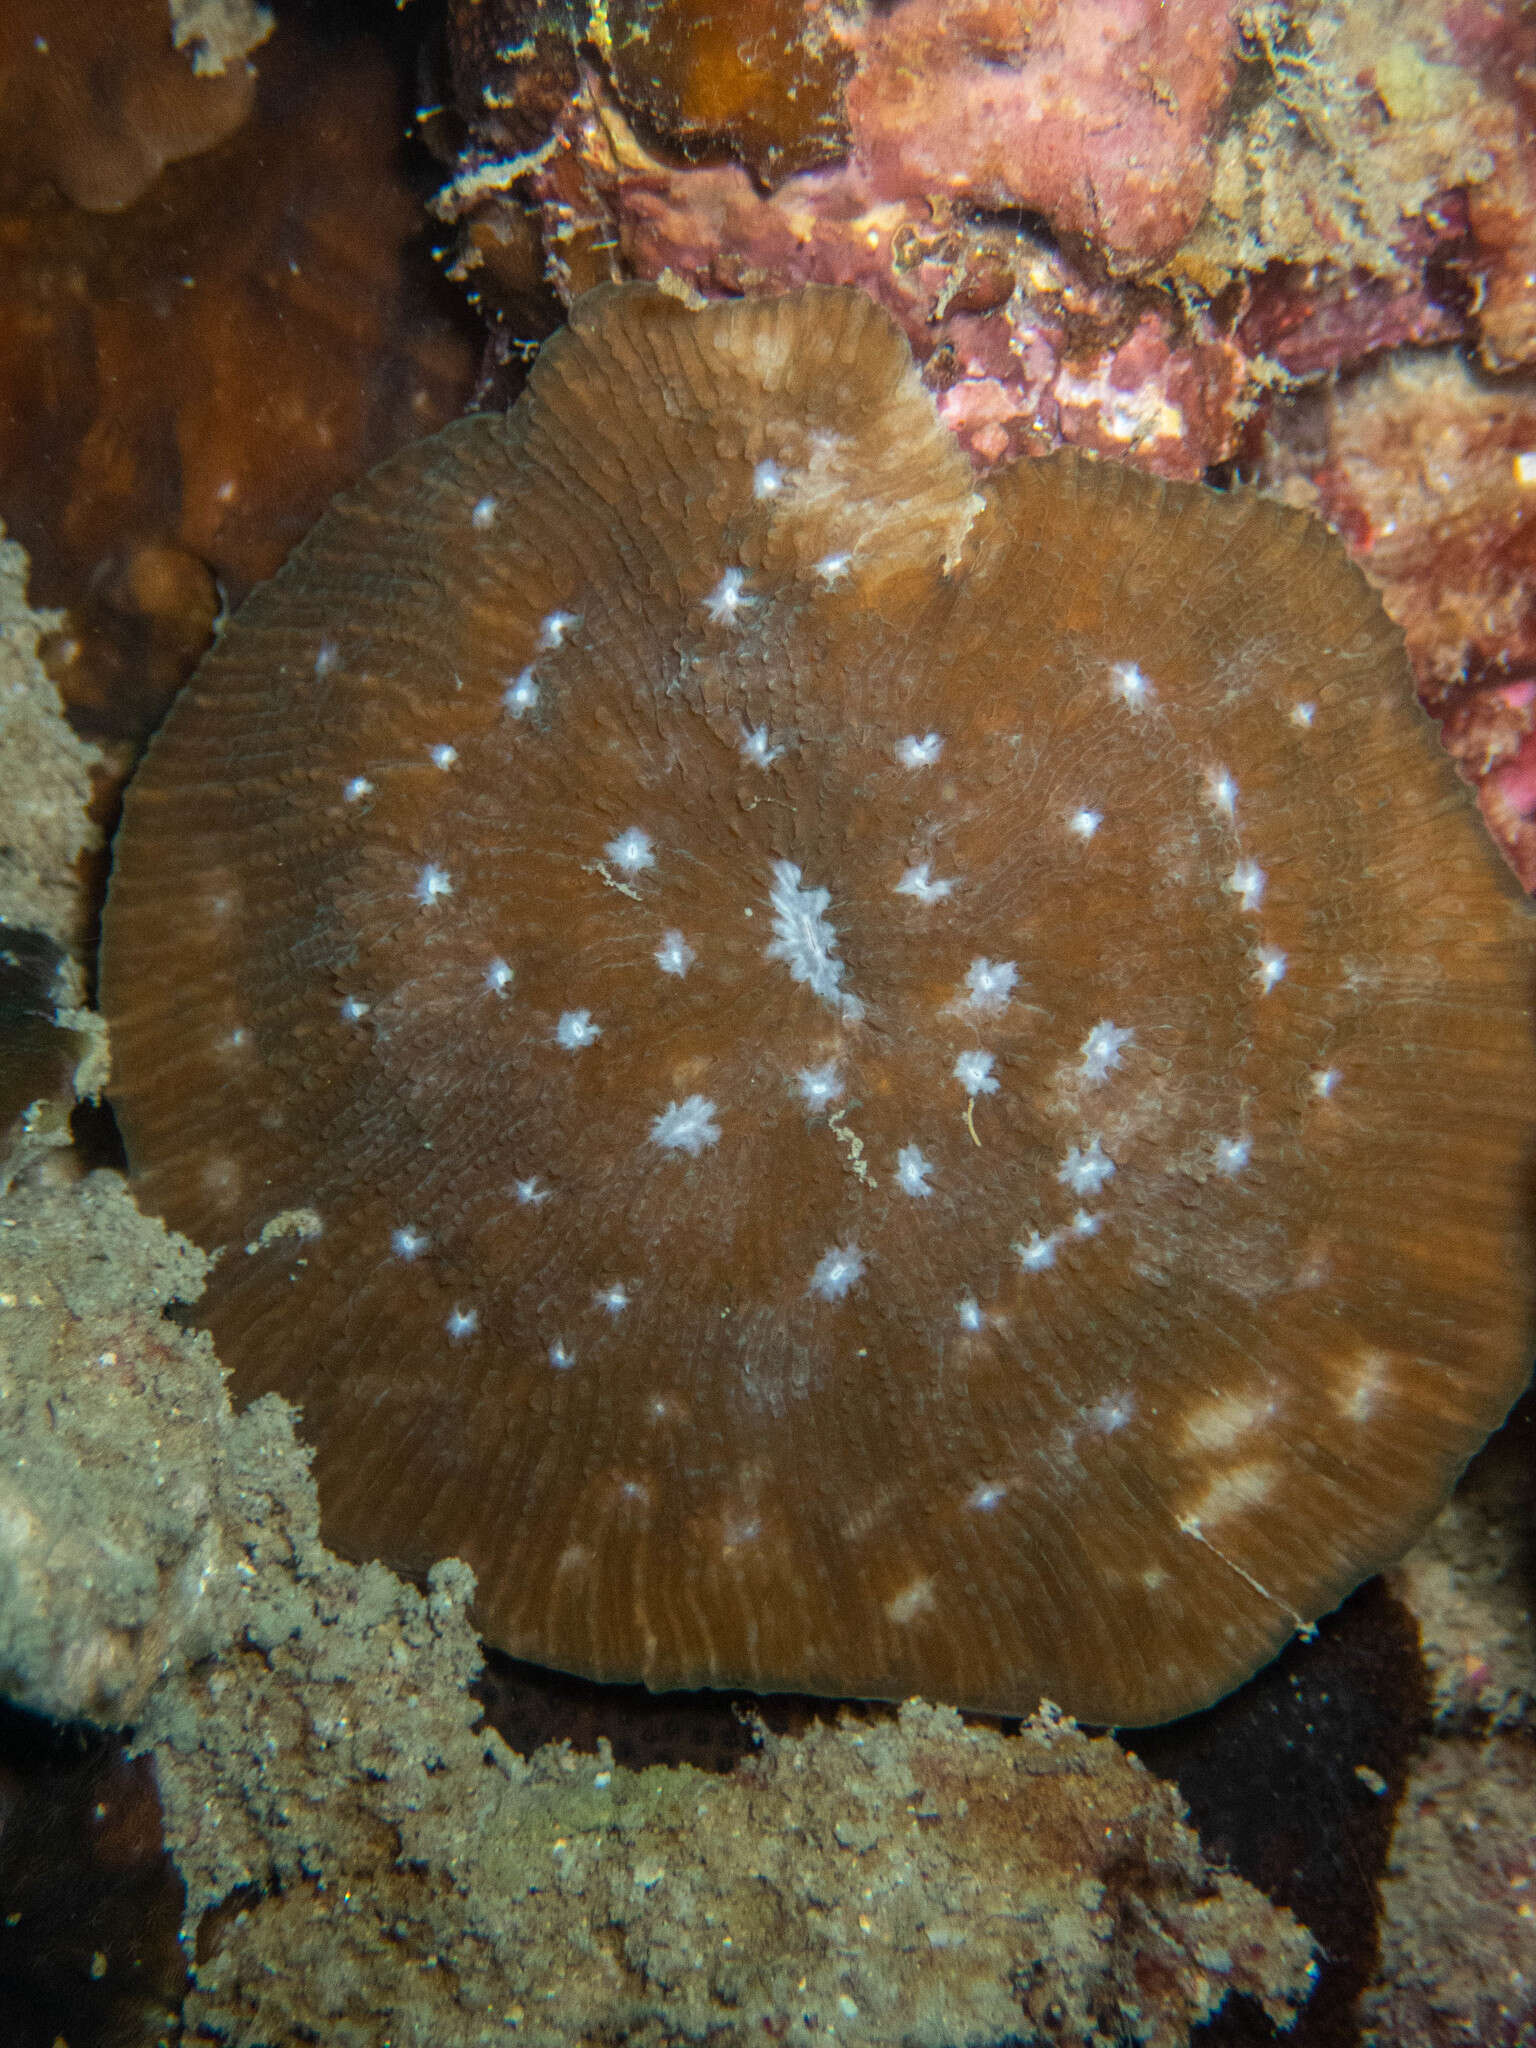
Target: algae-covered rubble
[(113, 1426), (44, 773), (47, 1037), (364, 1862)]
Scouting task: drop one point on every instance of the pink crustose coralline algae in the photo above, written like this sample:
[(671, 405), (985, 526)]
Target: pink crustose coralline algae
[(1165, 233), (844, 1078), (1095, 114)]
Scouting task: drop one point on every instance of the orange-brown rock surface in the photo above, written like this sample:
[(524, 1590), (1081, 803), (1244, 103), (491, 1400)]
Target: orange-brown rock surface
[(187, 381)]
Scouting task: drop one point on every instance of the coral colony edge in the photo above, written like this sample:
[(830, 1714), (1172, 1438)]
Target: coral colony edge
[(842, 1077)]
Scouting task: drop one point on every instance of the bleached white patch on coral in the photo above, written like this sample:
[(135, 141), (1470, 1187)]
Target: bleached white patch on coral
[(1112, 1414), (805, 940), (767, 480), (1130, 685), (837, 1271), (728, 600), (462, 1323), (355, 789), (1083, 824), (1303, 715), (1220, 1424), (1369, 1374), (834, 569), (554, 628), (919, 882), (499, 977), (913, 1600), (968, 1313), (353, 1009), (521, 694), (1231, 1155), (1228, 1494), (531, 1192), (574, 1029), (1246, 882), (912, 1171), (1221, 792), (1085, 1223), (407, 1242), (919, 750), (326, 659), (1037, 1252), (1269, 967), (1324, 1081), (483, 514), (755, 747), (738, 1526), (989, 984), (687, 1126), (432, 885), (1086, 1168), (819, 1085), (614, 1298), (1101, 1051), (561, 1356), (982, 1499), (443, 756), (632, 851), (973, 1070), (674, 955)]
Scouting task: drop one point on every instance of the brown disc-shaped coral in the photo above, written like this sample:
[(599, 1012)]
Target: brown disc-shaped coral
[(842, 1080)]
